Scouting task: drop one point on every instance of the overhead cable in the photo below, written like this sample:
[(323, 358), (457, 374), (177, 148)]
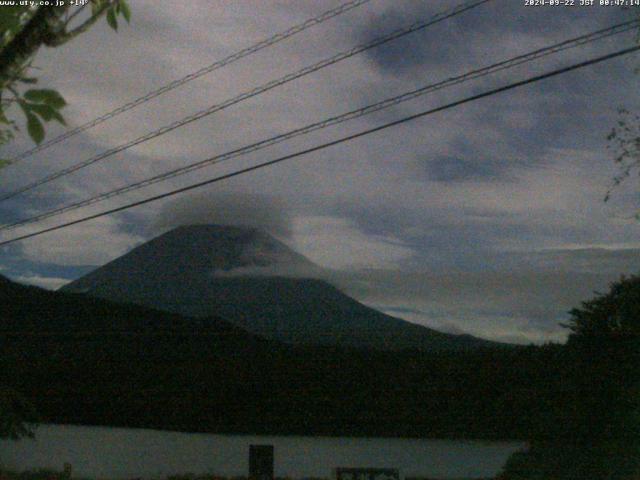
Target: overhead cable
[(249, 94), (351, 115), (345, 7), (323, 146)]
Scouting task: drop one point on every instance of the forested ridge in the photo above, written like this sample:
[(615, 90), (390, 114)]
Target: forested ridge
[(87, 361)]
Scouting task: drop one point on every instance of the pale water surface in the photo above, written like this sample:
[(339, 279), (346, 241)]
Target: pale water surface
[(115, 453)]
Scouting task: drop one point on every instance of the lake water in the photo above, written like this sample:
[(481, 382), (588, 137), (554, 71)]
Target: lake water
[(116, 453)]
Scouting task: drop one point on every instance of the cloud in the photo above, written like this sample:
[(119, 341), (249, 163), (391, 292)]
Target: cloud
[(337, 243), (49, 283), (513, 183), (455, 169), (471, 33), (330, 240), (290, 271), (93, 243), (265, 212), (584, 259), (523, 304)]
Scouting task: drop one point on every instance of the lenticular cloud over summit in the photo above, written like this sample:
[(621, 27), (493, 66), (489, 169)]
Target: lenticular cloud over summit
[(264, 212)]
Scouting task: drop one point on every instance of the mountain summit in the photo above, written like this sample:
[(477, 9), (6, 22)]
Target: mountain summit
[(255, 281)]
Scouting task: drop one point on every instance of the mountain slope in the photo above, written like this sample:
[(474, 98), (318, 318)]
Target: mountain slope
[(257, 283), (28, 310)]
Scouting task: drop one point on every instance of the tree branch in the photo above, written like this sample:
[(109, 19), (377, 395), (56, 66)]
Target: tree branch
[(64, 37), (38, 31), (70, 18)]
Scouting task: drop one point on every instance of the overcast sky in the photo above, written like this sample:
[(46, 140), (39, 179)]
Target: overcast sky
[(487, 219)]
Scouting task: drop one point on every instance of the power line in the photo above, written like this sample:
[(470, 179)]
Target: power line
[(250, 94), (192, 76), (344, 139), (471, 75)]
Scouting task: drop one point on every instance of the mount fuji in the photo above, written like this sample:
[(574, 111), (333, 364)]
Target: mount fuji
[(256, 282)]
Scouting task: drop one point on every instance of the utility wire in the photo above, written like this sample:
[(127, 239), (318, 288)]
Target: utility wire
[(386, 103), (250, 94), (192, 76), (338, 141)]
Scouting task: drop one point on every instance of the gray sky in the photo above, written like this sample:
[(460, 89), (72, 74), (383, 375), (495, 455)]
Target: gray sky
[(488, 218)]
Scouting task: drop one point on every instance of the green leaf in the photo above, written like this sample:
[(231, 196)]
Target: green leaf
[(59, 118), (4, 162), (125, 10), (35, 128), (111, 19), (95, 5), (3, 118), (46, 112), (26, 107), (47, 96), (6, 135)]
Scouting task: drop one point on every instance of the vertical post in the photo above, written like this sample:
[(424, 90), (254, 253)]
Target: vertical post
[(261, 462), (66, 471)]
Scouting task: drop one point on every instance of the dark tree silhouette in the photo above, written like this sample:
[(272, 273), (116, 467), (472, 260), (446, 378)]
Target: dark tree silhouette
[(16, 415), (595, 434)]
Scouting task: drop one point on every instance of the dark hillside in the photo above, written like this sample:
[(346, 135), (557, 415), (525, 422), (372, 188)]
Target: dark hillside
[(88, 361)]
